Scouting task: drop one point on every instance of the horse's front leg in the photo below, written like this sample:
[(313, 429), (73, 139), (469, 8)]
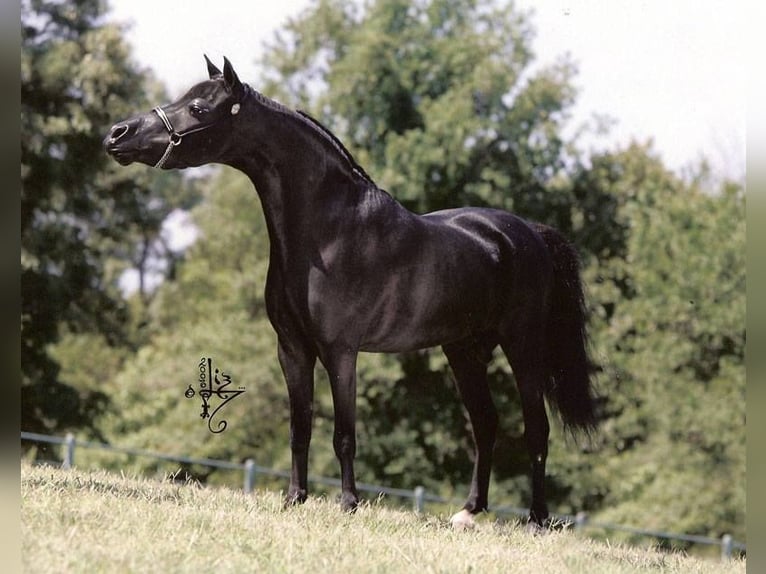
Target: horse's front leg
[(298, 367), (341, 368)]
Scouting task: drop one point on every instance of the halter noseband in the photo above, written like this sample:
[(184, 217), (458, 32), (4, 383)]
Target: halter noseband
[(174, 137)]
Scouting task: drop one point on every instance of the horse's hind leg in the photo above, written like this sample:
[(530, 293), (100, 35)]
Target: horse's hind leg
[(469, 365), (526, 358)]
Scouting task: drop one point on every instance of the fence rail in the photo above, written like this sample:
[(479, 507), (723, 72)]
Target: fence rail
[(418, 495)]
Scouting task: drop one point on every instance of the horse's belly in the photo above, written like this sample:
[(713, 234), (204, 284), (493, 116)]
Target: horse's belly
[(427, 313), (404, 339)]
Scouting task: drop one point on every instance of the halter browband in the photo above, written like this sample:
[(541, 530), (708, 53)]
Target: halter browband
[(174, 137)]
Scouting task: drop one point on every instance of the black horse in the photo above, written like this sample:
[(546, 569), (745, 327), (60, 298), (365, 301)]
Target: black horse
[(351, 270)]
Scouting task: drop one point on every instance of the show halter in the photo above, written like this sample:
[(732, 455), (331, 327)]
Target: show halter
[(174, 137)]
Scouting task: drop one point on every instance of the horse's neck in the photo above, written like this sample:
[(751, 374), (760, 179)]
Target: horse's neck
[(305, 184), (300, 201)]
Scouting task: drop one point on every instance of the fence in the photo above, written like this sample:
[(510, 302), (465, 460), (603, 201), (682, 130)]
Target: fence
[(418, 495)]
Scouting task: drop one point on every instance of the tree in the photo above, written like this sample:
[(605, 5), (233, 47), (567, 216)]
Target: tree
[(212, 307), (668, 327), (81, 220)]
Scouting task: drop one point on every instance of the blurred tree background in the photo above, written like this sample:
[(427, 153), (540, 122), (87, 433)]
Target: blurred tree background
[(438, 101), (83, 220)]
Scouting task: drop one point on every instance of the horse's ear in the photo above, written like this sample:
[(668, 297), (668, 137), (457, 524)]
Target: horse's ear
[(212, 70), (231, 79)]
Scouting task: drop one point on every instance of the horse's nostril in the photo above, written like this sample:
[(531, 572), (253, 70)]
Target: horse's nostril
[(118, 132)]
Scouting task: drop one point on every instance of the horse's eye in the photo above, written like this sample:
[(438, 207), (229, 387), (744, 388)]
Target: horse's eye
[(197, 110)]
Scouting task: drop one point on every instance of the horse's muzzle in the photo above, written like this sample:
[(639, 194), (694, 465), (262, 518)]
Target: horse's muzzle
[(118, 136)]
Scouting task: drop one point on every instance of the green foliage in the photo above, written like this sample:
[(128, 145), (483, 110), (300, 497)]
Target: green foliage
[(82, 221), (214, 308), (668, 330)]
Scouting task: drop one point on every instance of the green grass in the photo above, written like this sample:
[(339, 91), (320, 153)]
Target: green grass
[(75, 521)]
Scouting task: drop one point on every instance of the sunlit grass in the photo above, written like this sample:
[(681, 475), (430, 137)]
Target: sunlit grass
[(75, 521)]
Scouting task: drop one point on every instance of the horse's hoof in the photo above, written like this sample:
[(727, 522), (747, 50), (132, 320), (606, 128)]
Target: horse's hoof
[(295, 498), (462, 520), (349, 502), (535, 526)]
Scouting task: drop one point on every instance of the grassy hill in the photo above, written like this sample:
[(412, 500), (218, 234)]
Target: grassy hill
[(75, 521)]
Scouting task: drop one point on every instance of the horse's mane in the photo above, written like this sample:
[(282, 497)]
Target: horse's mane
[(319, 128), (316, 124)]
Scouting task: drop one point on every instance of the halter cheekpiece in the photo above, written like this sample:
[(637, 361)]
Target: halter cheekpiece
[(174, 137)]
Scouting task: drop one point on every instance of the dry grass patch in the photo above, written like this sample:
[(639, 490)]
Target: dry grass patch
[(75, 521)]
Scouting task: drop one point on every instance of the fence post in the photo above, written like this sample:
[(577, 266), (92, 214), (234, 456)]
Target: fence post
[(581, 519), (420, 495), (727, 544), (68, 451), (249, 475)]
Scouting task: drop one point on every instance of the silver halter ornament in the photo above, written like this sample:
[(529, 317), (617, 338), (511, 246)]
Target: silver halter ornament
[(174, 137)]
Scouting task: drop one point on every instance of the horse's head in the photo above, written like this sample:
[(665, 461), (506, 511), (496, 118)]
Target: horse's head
[(187, 133)]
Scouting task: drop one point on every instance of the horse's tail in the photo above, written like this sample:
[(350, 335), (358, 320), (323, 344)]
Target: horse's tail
[(569, 388)]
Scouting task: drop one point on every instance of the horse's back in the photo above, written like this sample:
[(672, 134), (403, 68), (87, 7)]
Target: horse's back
[(500, 232)]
